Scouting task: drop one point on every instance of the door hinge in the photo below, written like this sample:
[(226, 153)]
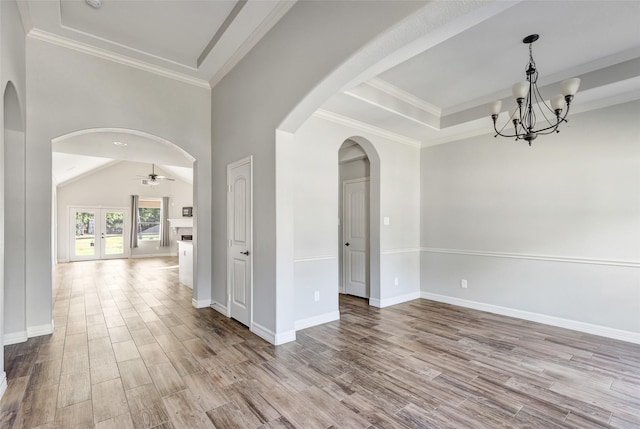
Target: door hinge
[(229, 244), (229, 188)]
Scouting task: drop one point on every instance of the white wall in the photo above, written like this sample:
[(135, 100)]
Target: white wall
[(113, 187), (316, 213), (572, 200), (307, 45), (71, 91), (12, 69)]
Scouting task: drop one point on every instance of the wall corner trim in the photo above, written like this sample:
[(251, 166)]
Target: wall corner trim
[(202, 303), (3, 383), (603, 331), (274, 338), (219, 308), (36, 331), (317, 320), (386, 302)]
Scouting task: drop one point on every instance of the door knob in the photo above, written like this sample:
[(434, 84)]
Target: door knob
[(347, 244), (245, 253)]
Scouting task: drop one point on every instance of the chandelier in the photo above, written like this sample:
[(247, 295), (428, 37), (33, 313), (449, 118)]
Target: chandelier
[(531, 105)]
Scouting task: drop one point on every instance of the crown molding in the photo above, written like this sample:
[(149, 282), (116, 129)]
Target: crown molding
[(343, 120), (458, 136), (272, 18), (394, 91), (64, 42), (25, 16)]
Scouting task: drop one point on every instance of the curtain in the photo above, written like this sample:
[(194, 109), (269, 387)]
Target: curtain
[(134, 220), (164, 221)]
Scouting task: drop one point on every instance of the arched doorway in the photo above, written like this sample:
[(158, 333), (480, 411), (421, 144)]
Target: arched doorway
[(13, 220), (354, 190), (119, 163), (359, 211)]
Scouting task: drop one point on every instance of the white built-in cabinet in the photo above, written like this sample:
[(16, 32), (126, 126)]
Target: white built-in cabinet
[(185, 258)]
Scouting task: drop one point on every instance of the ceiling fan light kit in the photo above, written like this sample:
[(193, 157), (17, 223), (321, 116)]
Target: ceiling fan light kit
[(531, 104), (153, 179)]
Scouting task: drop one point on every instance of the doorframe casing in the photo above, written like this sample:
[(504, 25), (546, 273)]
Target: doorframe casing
[(343, 287), (99, 208), (230, 167), (375, 226)]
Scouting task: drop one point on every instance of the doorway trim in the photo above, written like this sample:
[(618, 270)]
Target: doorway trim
[(367, 182), (230, 167), (374, 218)]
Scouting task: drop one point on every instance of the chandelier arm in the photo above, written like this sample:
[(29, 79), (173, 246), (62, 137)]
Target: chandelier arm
[(517, 135), (500, 133), (554, 127)]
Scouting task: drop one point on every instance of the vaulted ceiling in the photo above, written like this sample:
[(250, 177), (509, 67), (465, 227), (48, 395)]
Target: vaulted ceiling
[(441, 92)]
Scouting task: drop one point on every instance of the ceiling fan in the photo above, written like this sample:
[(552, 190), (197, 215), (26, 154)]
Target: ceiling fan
[(153, 179)]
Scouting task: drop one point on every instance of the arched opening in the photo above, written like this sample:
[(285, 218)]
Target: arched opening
[(13, 220), (96, 173), (359, 211)]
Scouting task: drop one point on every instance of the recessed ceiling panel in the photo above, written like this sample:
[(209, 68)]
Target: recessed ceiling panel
[(177, 31), (361, 111), (488, 58)]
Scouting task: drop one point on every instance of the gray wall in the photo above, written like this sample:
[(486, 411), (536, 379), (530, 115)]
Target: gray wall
[(553, 229), (14, 199), (12, 69), (394, 248), (71, 91), (248, 105)]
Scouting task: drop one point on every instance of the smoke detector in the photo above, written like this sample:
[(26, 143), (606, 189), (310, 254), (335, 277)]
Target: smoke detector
[(96, 4)]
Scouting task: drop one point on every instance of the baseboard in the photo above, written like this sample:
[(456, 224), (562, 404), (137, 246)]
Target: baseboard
[(386, 302), (151, 255), (202, 303), (36, 331), (3, 383), (317, 320), (603, 331), (271, 337), (14, 338), (219, 308)]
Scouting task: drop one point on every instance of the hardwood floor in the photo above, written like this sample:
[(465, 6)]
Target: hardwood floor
[(130, 351)]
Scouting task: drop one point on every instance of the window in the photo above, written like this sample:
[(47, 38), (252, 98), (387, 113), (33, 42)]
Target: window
[(149, 211)]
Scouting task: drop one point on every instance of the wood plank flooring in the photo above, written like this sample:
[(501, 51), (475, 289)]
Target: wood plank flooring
[(129, 351)]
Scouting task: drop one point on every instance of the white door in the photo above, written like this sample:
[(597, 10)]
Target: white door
[(356, 237), (97, 233), (239, 257)]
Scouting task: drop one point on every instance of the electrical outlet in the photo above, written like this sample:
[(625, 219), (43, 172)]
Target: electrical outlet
[(463, 284), (316, 296), (395, 281)]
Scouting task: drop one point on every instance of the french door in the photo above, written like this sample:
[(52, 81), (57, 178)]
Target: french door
[(98, 233)]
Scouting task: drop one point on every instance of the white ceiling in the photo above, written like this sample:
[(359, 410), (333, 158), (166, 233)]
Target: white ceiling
[(443, 92), (197, 41), (439, 94), (83, 153)]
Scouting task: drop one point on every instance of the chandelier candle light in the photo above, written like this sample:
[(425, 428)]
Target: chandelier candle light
[(528, 96)]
